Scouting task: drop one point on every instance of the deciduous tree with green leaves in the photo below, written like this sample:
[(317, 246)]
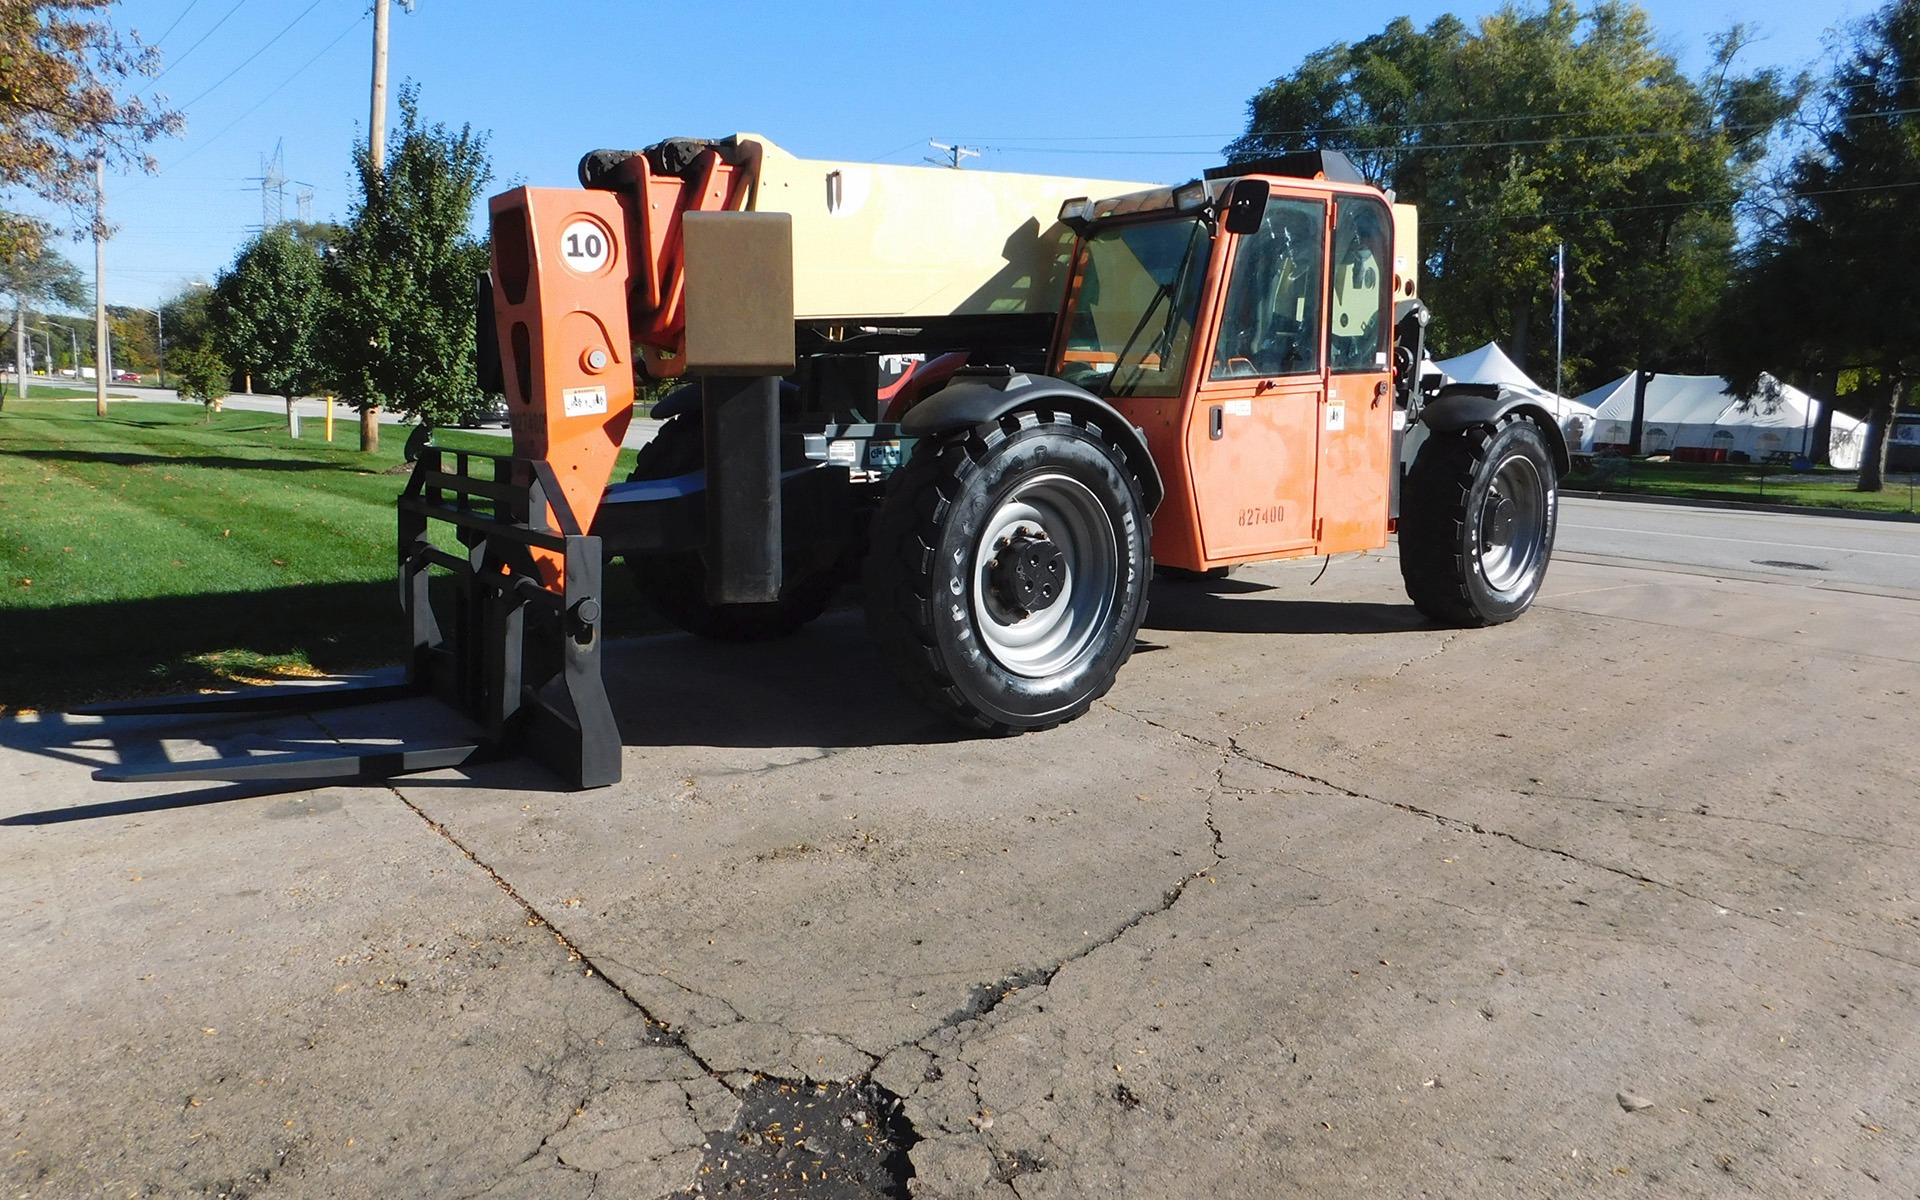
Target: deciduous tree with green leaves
[(266, 313), (399, 330), (1539, 126), (1830, 285), (199, 373), (36, 277)]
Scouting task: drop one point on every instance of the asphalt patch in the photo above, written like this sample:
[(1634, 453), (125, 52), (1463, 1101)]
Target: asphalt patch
[(820, 1141)]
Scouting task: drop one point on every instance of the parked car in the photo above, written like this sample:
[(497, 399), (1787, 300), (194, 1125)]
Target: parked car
[(492, 411), (126, 377)]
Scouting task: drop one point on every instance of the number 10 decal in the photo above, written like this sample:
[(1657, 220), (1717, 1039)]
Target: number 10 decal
[(583, 246)]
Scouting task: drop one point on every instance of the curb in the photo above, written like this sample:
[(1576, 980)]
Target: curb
[(1799, 510)]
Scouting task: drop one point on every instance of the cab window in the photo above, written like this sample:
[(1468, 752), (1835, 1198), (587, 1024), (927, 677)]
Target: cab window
[(1362, 248), (1270, 324)]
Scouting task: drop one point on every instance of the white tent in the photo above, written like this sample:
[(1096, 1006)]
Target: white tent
[(1490, 364), (1697, 411)]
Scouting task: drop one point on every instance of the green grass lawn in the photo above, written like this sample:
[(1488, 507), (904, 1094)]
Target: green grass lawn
[(1818, 488), (155, 551)]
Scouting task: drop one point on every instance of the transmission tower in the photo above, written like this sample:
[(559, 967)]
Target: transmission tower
[(303, 204), (273, 188)]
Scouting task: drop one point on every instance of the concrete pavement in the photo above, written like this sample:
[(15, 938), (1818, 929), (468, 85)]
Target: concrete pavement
[(1321, 901)]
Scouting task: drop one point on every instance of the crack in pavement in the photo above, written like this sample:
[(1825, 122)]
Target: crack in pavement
[(1474, 827), (1234, 748), (1010, 1165), (1714, 816), (895, 1163)]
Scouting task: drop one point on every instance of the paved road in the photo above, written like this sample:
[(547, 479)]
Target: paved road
[(1622, 898), (1784, 545)]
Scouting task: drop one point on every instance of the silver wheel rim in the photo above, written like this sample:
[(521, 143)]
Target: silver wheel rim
[(1061, 510), (1513, 524)]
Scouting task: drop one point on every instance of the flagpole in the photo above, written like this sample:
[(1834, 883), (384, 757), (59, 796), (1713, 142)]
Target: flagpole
[(1559, 312)]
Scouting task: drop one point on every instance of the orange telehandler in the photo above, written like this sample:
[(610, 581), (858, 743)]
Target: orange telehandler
[(1224, 372)]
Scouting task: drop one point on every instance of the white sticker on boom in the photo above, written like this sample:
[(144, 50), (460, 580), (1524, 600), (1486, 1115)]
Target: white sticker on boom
[(584, 402), (583, 246), (1336, 417), (1239, 408)]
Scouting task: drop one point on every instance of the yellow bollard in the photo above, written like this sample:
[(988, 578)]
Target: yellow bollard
[(329, 418)]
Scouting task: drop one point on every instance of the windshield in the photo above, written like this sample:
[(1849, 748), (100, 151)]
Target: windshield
[(1133, 313)]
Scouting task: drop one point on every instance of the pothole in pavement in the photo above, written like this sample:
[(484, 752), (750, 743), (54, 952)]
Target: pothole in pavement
[(1786, 564), (820, 1141)]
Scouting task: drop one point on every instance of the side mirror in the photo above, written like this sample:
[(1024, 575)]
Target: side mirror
[(1246, 205)]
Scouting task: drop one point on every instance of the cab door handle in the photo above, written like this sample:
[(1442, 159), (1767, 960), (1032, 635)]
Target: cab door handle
[(1216, 422)]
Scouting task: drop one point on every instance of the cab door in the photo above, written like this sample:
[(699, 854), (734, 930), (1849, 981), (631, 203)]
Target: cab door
[(1252, 439)]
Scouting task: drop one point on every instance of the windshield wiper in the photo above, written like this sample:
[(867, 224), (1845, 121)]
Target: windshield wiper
[(1165, 337)]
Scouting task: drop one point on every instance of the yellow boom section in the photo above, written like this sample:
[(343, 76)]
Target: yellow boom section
[(875, 241)]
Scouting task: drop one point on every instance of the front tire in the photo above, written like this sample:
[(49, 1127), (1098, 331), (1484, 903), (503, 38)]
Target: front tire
[(1007, 579), (1477, 520)]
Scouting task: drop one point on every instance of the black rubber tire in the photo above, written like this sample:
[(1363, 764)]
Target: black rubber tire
[(676, 584), (930, 545), (1451, 531)]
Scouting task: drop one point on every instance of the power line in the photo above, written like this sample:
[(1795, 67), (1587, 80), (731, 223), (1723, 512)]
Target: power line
[(1427, 148), (1374, 127), (203, 37), (1441, 220), (176, 23), (256, 54), (281, 86)]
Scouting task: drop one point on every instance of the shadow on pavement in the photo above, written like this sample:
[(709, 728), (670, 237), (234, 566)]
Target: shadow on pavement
[(1227, 606), (823, 690)]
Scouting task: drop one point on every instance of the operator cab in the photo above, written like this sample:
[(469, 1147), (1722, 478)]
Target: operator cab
[(1244, 322)]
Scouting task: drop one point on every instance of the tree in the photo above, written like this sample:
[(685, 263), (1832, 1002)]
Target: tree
[(199, 373), (60, 68), (1828, 287), (33, 277), (135, 338), (1534, 128), (400, 321), (266, 312)]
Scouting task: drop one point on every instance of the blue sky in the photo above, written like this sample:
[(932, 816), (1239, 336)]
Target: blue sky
[(1122, 89)]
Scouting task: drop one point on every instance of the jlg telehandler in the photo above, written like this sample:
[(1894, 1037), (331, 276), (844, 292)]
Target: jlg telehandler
[(1089, 378)]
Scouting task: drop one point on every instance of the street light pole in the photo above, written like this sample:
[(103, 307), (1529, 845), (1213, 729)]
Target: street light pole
[(21, 355)]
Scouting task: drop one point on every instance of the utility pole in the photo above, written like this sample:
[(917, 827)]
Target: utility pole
[(377, 154), (160, 321), (954, 154), (377, 126), (99, 287)]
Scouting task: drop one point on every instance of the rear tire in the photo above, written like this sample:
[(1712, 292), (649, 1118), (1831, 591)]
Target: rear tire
[(676, 584), (1007, 579), (1477, 520)]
